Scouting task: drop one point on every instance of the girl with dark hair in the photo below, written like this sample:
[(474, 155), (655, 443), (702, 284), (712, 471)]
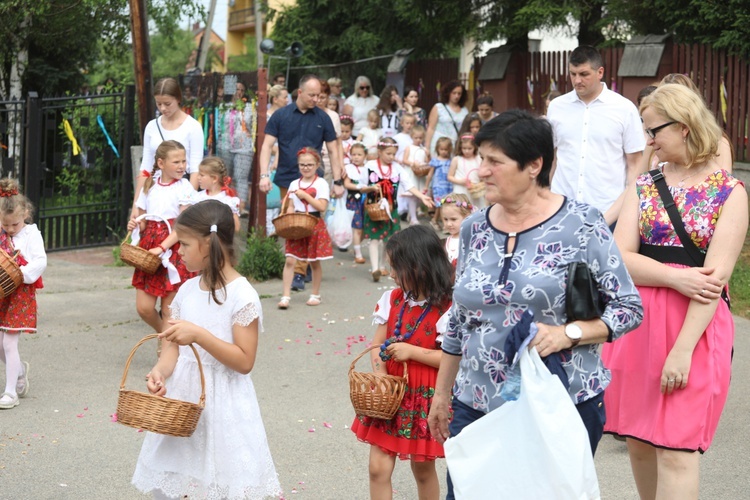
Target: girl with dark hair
[(447, 116), (219, 311), (388, 109), (406, 320)]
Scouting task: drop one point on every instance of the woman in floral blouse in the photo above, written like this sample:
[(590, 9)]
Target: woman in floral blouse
[(513, 258), (671, 375)]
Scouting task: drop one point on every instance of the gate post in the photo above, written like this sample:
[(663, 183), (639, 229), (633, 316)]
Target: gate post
[(127, 177), (33, 143)]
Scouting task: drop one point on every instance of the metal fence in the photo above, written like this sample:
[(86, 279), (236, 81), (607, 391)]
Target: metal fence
[(77, 176), (12, 121)]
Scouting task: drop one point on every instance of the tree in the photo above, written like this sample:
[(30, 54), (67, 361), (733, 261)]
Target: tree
[(335, 31), (50, 45)]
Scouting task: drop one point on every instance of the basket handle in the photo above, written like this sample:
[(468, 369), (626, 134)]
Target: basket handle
[(141, 217), (202, 401), (351, 367)]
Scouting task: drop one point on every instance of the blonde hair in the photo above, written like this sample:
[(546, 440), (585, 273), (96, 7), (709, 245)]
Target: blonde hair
[(213, 165), (373, 115), (678, 103), (275, 92), (417, 128), (444, 141), (11, 200), (161, 153), (460, 201)]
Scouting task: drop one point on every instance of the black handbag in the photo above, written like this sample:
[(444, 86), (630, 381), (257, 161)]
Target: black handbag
[(582, 300)]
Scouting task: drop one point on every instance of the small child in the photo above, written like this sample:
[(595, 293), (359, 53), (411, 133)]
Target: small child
[(310, 194), (214, 180), (464, 170), (219, 311), (356, 184), (385, 176), (347, 141), (162, 198), (454, 209), (415, 155), (18, 310), (471, 125), (406, 320), (403, 138), (333, 104), (369, 135), (438, 176)]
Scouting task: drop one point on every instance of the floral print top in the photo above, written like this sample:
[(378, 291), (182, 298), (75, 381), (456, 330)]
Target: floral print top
[(699, 205), (494, 286)]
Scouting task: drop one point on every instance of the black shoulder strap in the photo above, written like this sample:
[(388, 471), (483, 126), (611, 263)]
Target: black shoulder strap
[(451, 115), (674, 216), (158, 127)]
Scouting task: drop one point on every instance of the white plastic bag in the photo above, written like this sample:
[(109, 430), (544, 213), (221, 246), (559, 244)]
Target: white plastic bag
[(340, 224), (532, 448)]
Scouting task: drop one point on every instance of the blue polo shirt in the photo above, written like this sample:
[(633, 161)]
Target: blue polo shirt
[(294, 131)]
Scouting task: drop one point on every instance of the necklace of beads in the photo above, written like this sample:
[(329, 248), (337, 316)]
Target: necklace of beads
[(397, 337)]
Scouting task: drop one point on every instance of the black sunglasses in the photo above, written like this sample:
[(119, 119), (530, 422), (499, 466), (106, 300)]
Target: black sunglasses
[(364, 87), (651, 132)]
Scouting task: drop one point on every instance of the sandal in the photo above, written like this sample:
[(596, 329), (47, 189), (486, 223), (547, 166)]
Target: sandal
[(359, 260), (8, 404), (284, 302), (22, 384), (376, 275), (314, 300), (384, 273)]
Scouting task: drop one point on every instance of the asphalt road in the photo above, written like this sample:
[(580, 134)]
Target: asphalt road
[(61, 443)]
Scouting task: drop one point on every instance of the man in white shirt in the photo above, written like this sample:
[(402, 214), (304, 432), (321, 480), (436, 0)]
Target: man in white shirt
[(599, 138)]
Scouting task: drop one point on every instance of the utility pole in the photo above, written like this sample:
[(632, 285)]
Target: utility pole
[(257, 217), (142, 58), (206, 38)]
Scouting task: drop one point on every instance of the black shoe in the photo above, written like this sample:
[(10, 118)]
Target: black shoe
[(404, 216), (298, 283), (344, 250)]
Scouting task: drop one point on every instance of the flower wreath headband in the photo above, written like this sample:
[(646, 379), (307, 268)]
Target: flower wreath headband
[(460, 204), (8, 193), (385, 144)]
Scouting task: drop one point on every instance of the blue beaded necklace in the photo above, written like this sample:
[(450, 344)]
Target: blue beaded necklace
[(397, 337)]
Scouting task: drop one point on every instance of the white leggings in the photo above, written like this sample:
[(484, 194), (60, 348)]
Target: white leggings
[(10, 356)]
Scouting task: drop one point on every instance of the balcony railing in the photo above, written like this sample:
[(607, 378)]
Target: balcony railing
[(240, 19)]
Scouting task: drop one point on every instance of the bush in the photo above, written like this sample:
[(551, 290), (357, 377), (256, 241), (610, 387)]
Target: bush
[(116, 256), (263, 258)]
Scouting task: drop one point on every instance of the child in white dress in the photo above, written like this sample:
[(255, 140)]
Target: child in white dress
[(219, 311), (214, 180), (464, 171)]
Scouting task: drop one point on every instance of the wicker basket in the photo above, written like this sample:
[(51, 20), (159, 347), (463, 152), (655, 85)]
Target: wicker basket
[(420, 170), (376, 395), (11, 276), (377, 213), (294, 226), (477, 189), (156, 413), (138, 257)]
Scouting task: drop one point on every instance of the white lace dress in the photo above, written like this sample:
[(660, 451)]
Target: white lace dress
[(227, 456)]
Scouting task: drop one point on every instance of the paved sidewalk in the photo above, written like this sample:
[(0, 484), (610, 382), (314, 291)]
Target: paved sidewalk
[(60, 443)]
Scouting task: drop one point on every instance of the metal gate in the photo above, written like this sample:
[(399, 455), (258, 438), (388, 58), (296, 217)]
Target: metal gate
[(78, 167), (12, 116)]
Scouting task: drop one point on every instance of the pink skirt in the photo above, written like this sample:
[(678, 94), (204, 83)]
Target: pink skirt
[(687, 419)]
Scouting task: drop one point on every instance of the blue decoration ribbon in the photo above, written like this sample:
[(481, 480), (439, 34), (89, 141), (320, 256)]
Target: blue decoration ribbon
[(106, 134)]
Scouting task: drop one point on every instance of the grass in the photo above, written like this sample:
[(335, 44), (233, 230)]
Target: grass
[(739, 284)]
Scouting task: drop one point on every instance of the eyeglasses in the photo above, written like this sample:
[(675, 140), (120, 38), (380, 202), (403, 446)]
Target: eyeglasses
[(307, 165), (651, 132), (364, 87)]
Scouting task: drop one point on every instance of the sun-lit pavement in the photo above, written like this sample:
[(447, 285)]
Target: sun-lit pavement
[(61, 443)]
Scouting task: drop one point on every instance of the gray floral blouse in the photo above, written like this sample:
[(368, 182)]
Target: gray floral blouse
[(494, 287)]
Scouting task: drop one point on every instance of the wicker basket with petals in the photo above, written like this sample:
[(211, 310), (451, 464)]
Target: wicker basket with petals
[(11, 276), (294, 225), (374, 394), (138, 257)]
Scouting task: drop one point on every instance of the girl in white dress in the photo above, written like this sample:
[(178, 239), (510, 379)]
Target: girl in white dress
[(214, 181), (227, 456), (464, 170)]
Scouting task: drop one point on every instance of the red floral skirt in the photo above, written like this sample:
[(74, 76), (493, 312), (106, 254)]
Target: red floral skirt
[(317, 246), (158, 284), (18, 310), (406, 435)]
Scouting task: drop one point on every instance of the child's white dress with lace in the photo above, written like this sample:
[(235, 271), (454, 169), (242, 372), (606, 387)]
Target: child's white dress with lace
[(227, 456)]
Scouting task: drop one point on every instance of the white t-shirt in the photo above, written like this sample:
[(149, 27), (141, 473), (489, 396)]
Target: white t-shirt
[(360, 107), (231, 201), (163, 201), (592, 141), (322, 192), (402, 140), (189, 134)]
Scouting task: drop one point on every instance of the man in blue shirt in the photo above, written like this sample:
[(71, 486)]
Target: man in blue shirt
[(300, 124)]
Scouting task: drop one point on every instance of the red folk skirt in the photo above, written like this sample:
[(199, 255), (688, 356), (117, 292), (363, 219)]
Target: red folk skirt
[(158, 284), (317, 246)]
